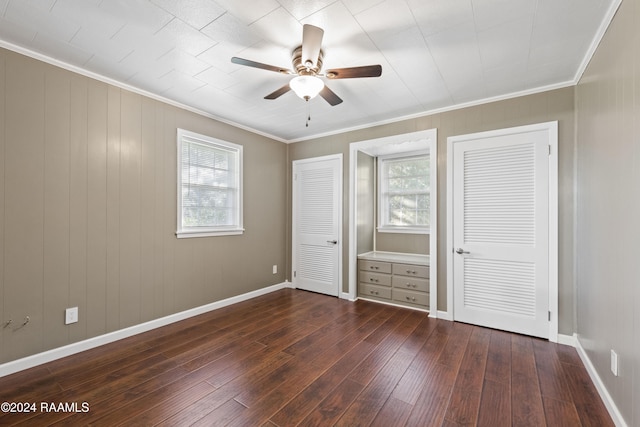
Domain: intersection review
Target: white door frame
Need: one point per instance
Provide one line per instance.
(552, 131)
(396, 144)
(339, 245)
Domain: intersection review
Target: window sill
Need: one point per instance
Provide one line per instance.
(209, 233)
(403, 230)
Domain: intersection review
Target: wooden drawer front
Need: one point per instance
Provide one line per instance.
(375, 278)
(377, 266)
(374, 291)
(411, 283)
(401, 295)
(411, 270)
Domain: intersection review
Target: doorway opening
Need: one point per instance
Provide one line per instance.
(362, 229)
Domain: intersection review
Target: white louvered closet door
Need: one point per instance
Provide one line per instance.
(500, 232)
(317, 209)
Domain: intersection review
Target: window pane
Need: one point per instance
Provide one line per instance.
(210, 196)
(404, 197)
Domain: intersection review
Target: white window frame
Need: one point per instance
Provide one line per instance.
(383, 226)
(204, 231)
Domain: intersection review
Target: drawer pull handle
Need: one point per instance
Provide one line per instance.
(411, 272)
(411, 285)
(374, 267)
(411, 298)
(372, 279)
(374, 292)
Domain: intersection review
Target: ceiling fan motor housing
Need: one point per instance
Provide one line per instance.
(306, 69)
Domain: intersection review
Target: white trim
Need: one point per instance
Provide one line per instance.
(541, 89)
(99, 77)
(393, 304)
(133, 89)
(569, 340)
(68, 350)
(614, 412)
(445, 315)
(597, 38)
(408, 140)
(552, 130)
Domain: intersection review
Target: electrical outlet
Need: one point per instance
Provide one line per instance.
(614, 363)
(275, 269)
(70, 315)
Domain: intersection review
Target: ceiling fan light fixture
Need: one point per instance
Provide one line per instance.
(306, 87)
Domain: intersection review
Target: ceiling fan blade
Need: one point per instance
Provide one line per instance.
(311, 44)
(254, 64)
(355, 72)
(330, 96)
(279, 92)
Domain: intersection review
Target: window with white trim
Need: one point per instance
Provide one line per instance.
(404, 193)
(209, 186)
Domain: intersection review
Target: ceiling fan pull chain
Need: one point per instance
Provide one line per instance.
(308, 113)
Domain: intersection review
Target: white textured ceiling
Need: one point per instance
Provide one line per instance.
(435, 54)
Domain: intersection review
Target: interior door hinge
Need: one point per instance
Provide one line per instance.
(549, 317)
(294, 273)
(549, 149)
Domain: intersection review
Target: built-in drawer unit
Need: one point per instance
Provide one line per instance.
(375, 278)
(410, 283)
(375, 291)
(411, 270)
(412, 297)
(376, 266)
(396, 281)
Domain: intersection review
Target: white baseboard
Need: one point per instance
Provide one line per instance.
(614, 412)
(569, 340)
(67, 350)
(444, 315)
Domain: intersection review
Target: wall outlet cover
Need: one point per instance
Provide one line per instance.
(614, 363)
(71, 315)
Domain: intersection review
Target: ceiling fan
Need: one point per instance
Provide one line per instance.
(307, 63)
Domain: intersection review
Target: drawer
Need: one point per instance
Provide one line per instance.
(377, 266)
(404, 296)
(366, 289)
(411, 270)
(374, 278)
(411, 283)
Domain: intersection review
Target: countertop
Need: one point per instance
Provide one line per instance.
(416, 259)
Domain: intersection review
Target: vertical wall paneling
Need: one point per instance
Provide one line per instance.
(159, 218)
(148, 214)
(78, 219)
(56, 208)
(95, 311)
(24, 206)
(608, 205)
(3, 318)
(88, 210)
(130, 148)
(113, 209)
(169, 208)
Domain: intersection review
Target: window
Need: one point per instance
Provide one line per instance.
(209, 186)
(403, 194)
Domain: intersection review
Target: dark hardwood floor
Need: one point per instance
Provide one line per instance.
(297, 358)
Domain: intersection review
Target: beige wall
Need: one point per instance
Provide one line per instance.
(542, 107)
(608, 227)
(88, 210)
